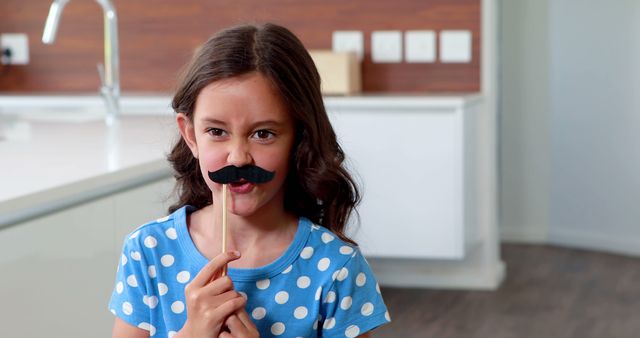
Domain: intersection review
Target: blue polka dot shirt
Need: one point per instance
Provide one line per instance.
(320, 286)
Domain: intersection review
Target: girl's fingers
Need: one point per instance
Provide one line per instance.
(236, 326)
(244, 318)
(226, 334)
(208, 272)
(230, 306)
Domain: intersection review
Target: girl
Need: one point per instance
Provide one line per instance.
(251, 99)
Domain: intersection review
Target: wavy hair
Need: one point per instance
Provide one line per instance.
(318, 186)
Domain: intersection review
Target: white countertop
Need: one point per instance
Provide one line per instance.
(56, 164)
(65, 154)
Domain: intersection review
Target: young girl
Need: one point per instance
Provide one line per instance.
(251, 99)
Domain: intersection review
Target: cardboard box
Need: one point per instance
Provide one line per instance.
(340, 72)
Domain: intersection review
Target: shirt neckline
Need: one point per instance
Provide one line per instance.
(242, 274)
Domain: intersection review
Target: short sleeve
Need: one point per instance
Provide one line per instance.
(353, 304)
(129, 297)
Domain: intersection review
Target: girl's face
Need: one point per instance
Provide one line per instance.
(241, 121)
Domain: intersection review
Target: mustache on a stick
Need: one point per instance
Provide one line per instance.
(251, 173)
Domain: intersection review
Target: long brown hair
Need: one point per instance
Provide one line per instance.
(318, 186)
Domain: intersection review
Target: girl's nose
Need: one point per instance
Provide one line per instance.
(239, 154)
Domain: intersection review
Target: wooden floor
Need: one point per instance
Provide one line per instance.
(549, 292)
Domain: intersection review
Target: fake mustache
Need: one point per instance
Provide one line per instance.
(251, 173)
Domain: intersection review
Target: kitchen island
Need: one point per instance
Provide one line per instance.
(72, 188)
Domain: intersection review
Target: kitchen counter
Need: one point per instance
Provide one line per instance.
(57, 151)
(55, 164)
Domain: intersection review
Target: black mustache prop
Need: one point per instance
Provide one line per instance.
(251, 173)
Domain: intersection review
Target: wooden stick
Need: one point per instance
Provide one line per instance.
(224, 225)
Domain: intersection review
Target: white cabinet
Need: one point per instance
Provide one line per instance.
(412, 164)
(58, 270)
(426, 166)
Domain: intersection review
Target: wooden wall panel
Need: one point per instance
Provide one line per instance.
(158, 37)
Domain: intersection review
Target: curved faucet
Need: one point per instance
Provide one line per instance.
(109, 72)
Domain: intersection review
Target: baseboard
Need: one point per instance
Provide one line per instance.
(529, 235)
(629, 245)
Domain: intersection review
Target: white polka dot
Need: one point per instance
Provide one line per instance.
(335, 275)
(361, 279)
(150, 242)
(329, 323)
(304, 282)
(342, 275)
(124, 260)
(263, 284)
(135, 255)
(177, 307)
(150, 301)
(244, 295)
(323, 264)
(367, 309)
(163, 219)
(345, 304)
(277, 328)
(171, 233)
(134, 235)
(170, 334)
(167, 260)
(148, 327)
(113, 311)
(183, 276)
(346, 250)
(119, 287)
(152, 271)
(306, 253)
(387, 317)
(315, 227)
(127, 308)
(282, 297)
(352, 331)
(287, 270)
(378, 287)
(327, 237)
(300, 312)
(132, 281)
(315, 324)
(318, 292)
(162, 289)
(258, 313)
(331, 297)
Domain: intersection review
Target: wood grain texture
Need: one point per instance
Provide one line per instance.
(158, 37)
(549, 292)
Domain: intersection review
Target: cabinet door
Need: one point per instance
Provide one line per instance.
(409, 165)
(57, 274)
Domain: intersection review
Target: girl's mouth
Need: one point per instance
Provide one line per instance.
(241, 187)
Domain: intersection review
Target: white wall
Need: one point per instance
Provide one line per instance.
(570, 123)
(595, 86)
(524, 119)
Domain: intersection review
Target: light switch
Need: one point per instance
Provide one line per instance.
(455, 46)
(386, 46)
(348, 41)
(420, 46)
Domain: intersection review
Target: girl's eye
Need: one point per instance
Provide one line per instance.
(264, 134)
(216, 132)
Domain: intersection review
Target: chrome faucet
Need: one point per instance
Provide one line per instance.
(109, 73)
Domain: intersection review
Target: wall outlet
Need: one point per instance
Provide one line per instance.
(455, 46)
(14, 48)
(348, 41)
(386, 46)
(420, 46)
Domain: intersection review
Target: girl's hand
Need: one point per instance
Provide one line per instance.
(210, 300)
(240, 326)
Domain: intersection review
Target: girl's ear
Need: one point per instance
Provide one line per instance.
(188, 132)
